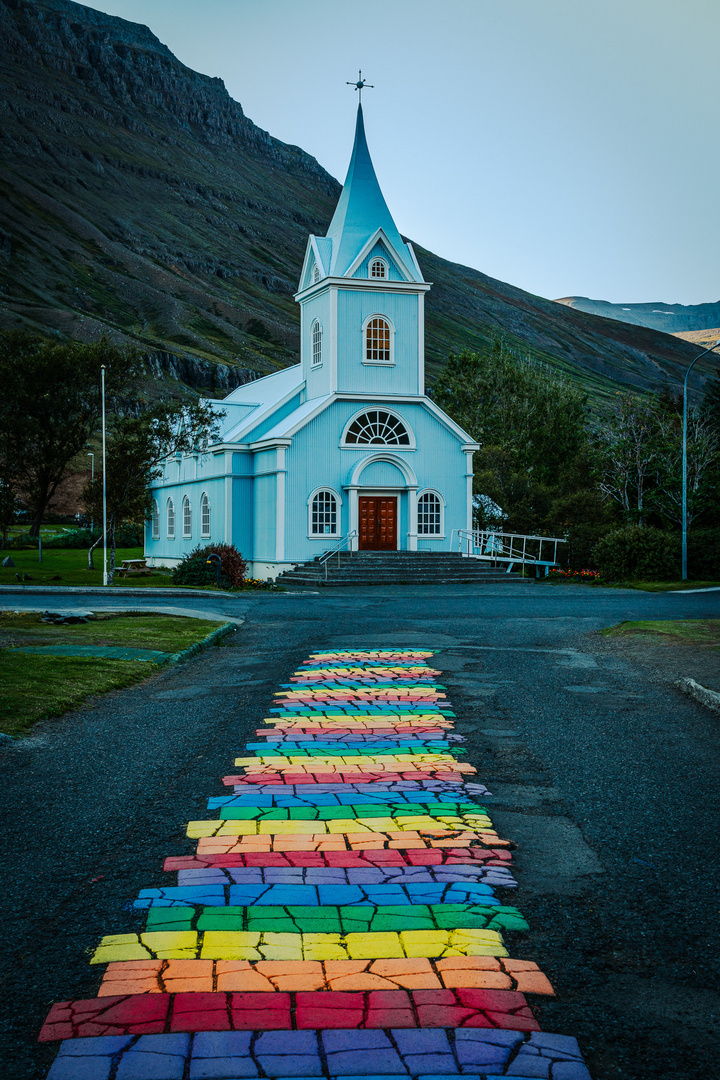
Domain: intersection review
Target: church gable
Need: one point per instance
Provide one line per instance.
(317, 261)
(379, 264)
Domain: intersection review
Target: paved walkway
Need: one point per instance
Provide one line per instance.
(345, 912)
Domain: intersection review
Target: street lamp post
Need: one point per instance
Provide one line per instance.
(105, 575)
(684, 459)
(92, 481)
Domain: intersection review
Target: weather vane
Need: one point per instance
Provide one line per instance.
(360, 85)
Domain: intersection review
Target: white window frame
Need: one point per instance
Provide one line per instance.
(205, 502)
(316, 328)
(440, 535)
(186, 518)
(399, 447)
(170, 519)
(383, 263)
(155, 520)
(338, 507)
(365, 325)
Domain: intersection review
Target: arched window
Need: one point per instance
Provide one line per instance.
(170, 519)
(377, 341)
(378, 268)
(204, 515)
(377, 428)
(155, 518)
(316, 335)
(429, 514)
(187, 518)
(315, 274)
(323, 514)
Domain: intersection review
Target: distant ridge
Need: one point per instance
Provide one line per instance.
(136, 198)
(672, 318)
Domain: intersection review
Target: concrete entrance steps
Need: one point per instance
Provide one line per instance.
(397, 568)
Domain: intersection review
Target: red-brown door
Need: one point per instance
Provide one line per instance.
(378, 523)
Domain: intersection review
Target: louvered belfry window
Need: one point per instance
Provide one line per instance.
(377, 427)
(377, 341)
(324, 514)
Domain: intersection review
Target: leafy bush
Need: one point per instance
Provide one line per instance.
(638, 553)
(704, 554)
(126, 536)
(194, 569)
(18, 542)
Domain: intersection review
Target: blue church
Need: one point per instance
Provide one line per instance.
(343, 444)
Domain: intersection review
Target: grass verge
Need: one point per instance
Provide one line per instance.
(703, 632)
(37, 687)
(68, 566)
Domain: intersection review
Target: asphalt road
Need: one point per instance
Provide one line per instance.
(602, 772)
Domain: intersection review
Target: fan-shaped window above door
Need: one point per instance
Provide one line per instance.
(377, 427)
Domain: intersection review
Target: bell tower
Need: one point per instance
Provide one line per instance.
(362, 295)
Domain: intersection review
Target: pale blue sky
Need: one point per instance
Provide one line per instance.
(565, 146)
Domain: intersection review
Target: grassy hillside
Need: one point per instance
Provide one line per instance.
(137, 198)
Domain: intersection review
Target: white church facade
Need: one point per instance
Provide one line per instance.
(344, 445)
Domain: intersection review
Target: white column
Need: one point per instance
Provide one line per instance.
(469, 486)
(412, 535)
(280, 505)
(353, 516)
(228, 498)
(421, 343)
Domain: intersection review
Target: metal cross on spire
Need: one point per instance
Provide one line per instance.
(360, 85)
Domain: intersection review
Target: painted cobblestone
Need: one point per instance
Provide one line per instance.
(469, 1053)
(419, 973)
(340, 916)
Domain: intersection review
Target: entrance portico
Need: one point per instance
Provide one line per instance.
(382, 504)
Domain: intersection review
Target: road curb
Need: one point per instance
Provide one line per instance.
(199, 646)
(108, 590)
(709, 698)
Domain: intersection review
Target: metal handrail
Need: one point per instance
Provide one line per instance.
(324, 559)
(498, 546)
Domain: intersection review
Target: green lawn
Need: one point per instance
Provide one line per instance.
(68, 566)
(669, 586)
(36, 687)
(703, 632)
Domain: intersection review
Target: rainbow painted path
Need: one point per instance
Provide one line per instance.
(344, 914)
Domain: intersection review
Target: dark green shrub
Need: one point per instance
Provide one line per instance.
(638, 553)
(194, 569)
(18, 542)
(704, 554)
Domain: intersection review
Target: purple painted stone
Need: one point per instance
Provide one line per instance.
(163, 1044)
(530, 1066)
(220, 1068)
(421, 1041)
(287, 1042)
(352, 1039)
(76, 1068)
(295, 1065)
(102, 1046)
(151, 1066)
(365, 1063)
(565, 1044)
(211, 1044)
(441, 1063)
(496, 1037)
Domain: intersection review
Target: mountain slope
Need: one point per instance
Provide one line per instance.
(671, 318)
(138, 198)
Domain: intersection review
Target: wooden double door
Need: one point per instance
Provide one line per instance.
(378, 523)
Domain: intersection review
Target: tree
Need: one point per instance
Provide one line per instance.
(50, 406)
(703, 453)
(628, 442)
(531, 424)
(136, 447)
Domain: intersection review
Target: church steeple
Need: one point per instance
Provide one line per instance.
(361, 211)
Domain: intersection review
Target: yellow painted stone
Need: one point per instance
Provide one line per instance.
(374, 946)
(117, 947)
(171, 944)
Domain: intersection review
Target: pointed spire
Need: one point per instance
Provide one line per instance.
(361, 210)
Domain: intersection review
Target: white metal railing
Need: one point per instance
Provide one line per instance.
(511, 548)
(325, 559)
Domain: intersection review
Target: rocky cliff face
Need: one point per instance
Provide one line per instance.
(137, 199)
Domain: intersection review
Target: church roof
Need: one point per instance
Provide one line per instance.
(361, 211)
